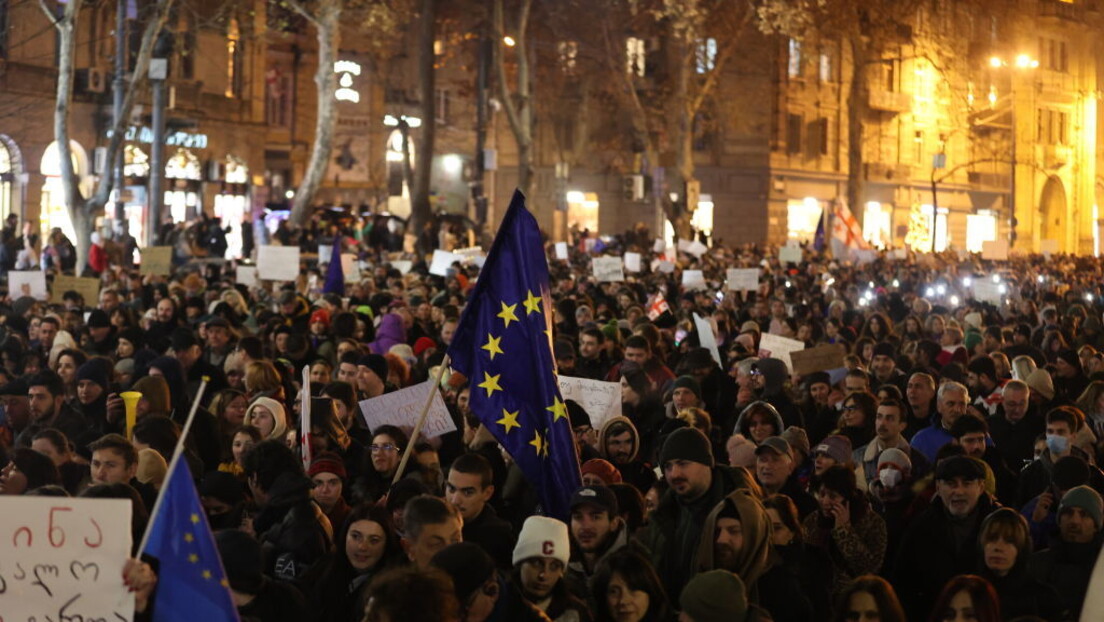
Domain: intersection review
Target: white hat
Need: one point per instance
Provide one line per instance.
(542, 537)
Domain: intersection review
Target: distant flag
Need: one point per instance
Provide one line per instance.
(819, 240)
(658, 307)
(191, 584)
(846, 230)
(335, 275)
(305, 419)
(504, 346)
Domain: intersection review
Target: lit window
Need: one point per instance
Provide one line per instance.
(569, 52)
(634, 56)
(233, 60)
(135, 162)
(980, 228)
(877, 223)
(707, 55)
(803, 218)
(825, 68)
(702, 220)
(6, 181)
(793, 68)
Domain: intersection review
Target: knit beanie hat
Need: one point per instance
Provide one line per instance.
(885, 349)
(577, 414)
(602, 469)
(818, 377)
(634, 374)
(797, 438)
(687, 382)
(687, 444)
(423, 344)
(321, 315)
(376, 363)
(715, 596)
(1069, 355)
(93, 371)
(895, 457)
(1069, 472)
(972, 339)
(328, 462)
(542, 536)
(468, 565)
(1087, 499)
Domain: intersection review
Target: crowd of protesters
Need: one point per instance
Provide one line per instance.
(945, 470)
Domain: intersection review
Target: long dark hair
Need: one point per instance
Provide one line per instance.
(982, 595)
(379, 516)
(638, 573)
(889, 608)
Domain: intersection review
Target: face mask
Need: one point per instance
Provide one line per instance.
(1057, 444)
(889, 477)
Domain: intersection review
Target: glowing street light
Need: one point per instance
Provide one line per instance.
(509, 41)
(1023, 61)
(995, 62)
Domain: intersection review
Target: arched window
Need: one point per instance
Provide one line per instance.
(7, 177)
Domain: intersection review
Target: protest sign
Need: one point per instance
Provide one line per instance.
(87, 287)
(773, 346)
(996, 250)
(632, 262)
(402, 409)
(1048, 247)
(62, 559)
(442, 261)
(402, 265)
(561, 250)
(30, 283)
(350, 267)
(325, 251)
(601, 400)
(743, 279)
(692, 247)
(820, 358)
(706, 337)
(659, 246)
(666, 267)
(789, 254)
(608, 269)
(278, 263)
(985, 290)
(246, 275)
(693, 279)
(156, 260)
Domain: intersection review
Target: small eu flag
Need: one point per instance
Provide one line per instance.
(191, 584)
(335, 273)
(504, 346)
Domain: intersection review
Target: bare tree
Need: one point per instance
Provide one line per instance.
(82, 210)
(518, 104)
(427, 76)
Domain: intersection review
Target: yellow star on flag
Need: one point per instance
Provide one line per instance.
(507, 313)
(493, 346)
(490, 383)
(558, 409)
(189, 537)
(532, 303)
(206, 574)
(193, 558)
(195, 519)
(539, 444)
(509, 420)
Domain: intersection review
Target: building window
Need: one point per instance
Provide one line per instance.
(980, 228)
(441, 105)
(569, 53)
(793, 66)
(4, 28)
(707, 55)
(186, 49)
(6, 179)
(802, 218)
(793, 133)
(634, 56)
(277, 107)
(1053, 127)
(877, 221)
(234, 60)
(825, 68)
(816, 141)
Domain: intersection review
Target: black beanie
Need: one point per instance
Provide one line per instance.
(93, 371)
(376, 363)
(634, 374)
(687, 444)
(1070, 472)
(241, 558)
(687, 382)
(577, 414)
(885, 349)
(818, 377)
(468, 565)
(1069, 355)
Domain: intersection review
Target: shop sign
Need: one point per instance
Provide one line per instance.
(144, 134)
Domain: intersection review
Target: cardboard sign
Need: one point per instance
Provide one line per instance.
(246, 275)
(632, 262)
(743, 279)
(29, 283)
(820, 358)
(62, 559)
(608, 269)
(789, 254)
(442, 261)
(350, 267)
(995, 250)
(561, 250)
(693, 279)
(773, 346)
(278, 263)
(156, 260)
(87, 287)
(402, 409)
(707, 337)
(601, 400)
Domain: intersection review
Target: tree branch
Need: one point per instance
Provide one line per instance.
(500, 69)
(298, 8)
(54, 20)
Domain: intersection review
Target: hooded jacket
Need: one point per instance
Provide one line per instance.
(636, 471)
(293, 531)
(389, 333)
(278, 414)
(742, 421)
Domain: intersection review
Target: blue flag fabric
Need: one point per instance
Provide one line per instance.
(503, 345)
(335, 274)
(191, 584)
(819, 240)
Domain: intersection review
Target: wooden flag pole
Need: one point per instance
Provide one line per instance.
(421, 420)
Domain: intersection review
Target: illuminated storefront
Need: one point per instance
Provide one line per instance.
(232, 203)
(877, 224)
(582, 211)
(53, 212)
(980, 228)
(802, 218)
(185, 175)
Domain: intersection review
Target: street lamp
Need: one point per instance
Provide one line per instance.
(1021, 62)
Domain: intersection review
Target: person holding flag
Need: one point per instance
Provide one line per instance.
(503, 345)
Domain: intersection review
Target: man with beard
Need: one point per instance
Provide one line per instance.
(820, 417)
(596, 531)
(1069, 562)
(889, 423)
(593, 362)
(884, 367)
(619, 443)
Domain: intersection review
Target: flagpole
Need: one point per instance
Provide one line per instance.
(178, 451)
(421, 420)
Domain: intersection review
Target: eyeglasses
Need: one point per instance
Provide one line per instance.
(384, 447)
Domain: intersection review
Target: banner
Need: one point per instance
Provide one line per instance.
(402, 409)
(601, 400)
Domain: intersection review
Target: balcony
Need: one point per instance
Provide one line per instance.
(887, 101)
(879, 172)
(1072, 11)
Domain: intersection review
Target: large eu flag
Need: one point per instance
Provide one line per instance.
(504, 346)
(191, 584)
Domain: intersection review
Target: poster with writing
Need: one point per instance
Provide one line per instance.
(789, 254)
(743, 279)
(402, 408)
(350, 267)
(561, 250)
(707, 337)
(402, 265)
(996, 250)
(246, 275)
(442, 261)
(62, 559)
(985, 290)
(87, 287)
(693, 279)
(659, 246)
(820, 358)
(773, 346)
(632, 262)
(29, 283)
(608, 269)
(601, 400)
(278, 263)
(156, 260)
(325, 251)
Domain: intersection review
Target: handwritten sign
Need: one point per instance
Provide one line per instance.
(561, 250)
(156, 260)
(985, 290)
(27, 283)
(820, 358)
(608, 269)
(773, 346)
(659, 246)
(442, 261)
(743, 279)
(632, 262)
(278, 263)
(87, 287)
(246, 275)
(62, 559)
(996, 250)
(693, 279)
(707, 337)
(601, 400)
(402, 409)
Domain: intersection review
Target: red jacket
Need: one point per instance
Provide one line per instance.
(97, 258)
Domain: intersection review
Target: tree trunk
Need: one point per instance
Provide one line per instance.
(518, 106)
(327, 22)
(420, 209)
(858, 99)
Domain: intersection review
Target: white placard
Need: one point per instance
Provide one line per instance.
(632, 262)
(985, 290)
(350, 267)
(325, 251)
(697, 249)
(601, 400)
(278, 263)
(30, 283)
(773, 346)
(864, 255)
(608, 269)
(667, 267)
(659, 246)
(442, 260)
(62, 559)
(402, 265)
(996, 250)
(743, 279)
(402, 409)
(247, 275)
(561, 250)
(789, 254)
(589, 244)
(693, 279)
(707, 337)
(1048, 247)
